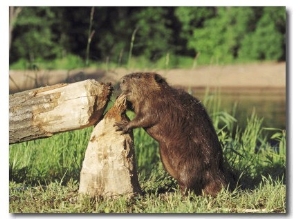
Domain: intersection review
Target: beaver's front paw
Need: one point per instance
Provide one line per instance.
(122, 126)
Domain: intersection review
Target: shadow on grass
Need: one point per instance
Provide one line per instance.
(30, 178)
(274, 172)
(158, 182)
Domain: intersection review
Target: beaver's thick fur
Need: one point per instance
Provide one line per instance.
(189, 146)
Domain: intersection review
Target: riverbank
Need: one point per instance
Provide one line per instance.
(255, 75)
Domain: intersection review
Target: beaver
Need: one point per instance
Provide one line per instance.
(189, 147)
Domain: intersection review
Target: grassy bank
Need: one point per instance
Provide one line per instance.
(44, 174)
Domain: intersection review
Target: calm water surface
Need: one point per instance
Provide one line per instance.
(269, 104)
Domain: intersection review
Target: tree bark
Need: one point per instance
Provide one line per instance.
(45, 111)
(109, 168)
(13, 14)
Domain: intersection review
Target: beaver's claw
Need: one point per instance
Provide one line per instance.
(121, 126)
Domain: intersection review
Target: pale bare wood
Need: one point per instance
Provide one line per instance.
(45, 111)
(109, 168)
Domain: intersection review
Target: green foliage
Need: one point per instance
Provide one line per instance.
(34, 34)
(266, 42)
(211, 34)
(153, 35)
(241, 33)
(191, 17)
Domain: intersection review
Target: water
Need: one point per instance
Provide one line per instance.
(268, 103)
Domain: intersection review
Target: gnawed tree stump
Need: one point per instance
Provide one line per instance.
(45, 111)
(109, 167)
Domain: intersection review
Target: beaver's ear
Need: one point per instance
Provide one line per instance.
(158, 78)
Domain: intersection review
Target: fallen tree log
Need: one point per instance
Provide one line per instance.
(44, 111)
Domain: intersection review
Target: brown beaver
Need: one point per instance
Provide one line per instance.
(189, 146)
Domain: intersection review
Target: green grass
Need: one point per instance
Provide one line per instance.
(55, 198)
(69, 62)
(44, 173)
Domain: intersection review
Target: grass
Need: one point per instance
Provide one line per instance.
(44, 173)
(55, 198)
(70, 61)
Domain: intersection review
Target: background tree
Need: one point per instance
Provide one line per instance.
(13, 14)
(267, 40)
(34, 35)
(220, 37)
(216, 34)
